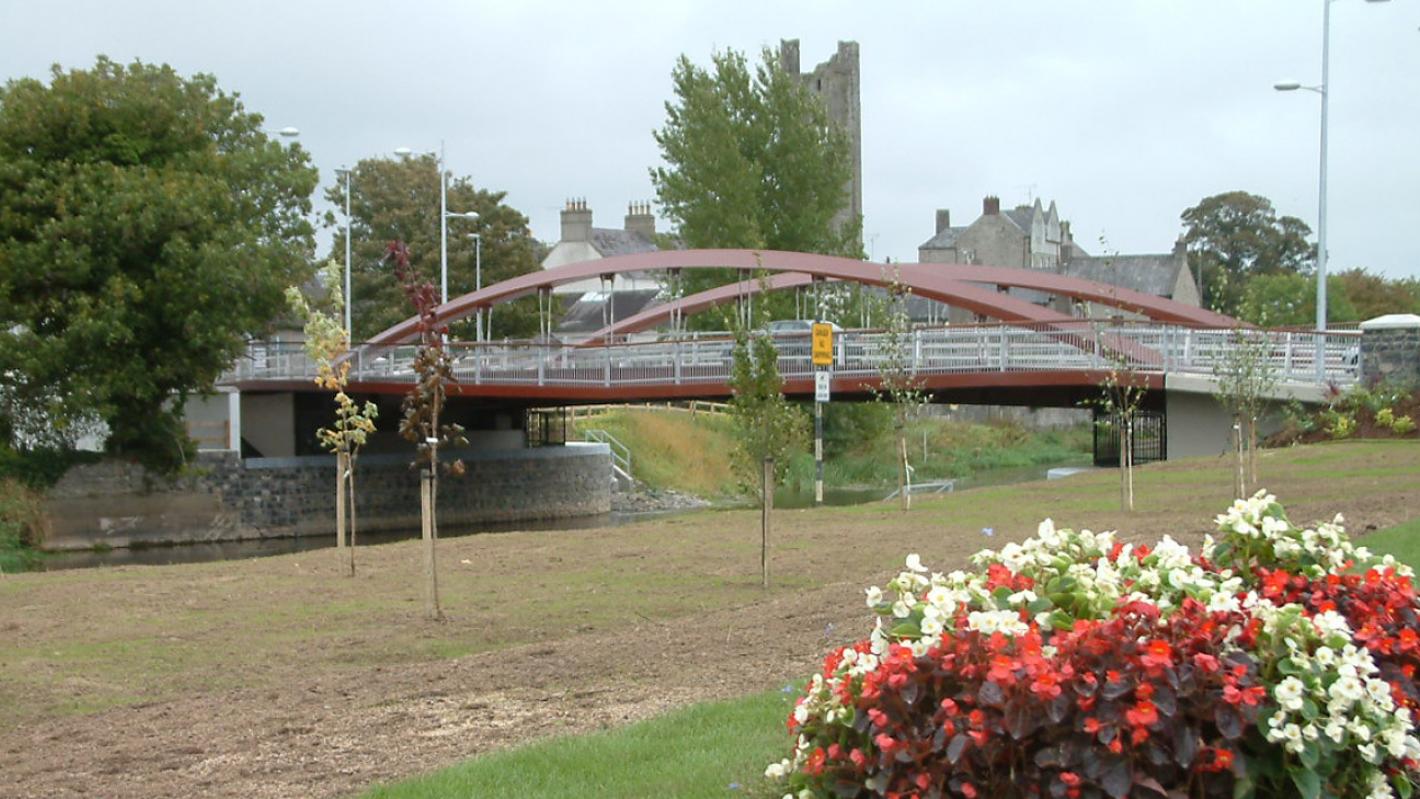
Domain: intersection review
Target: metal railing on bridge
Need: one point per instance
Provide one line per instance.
(1304, 357)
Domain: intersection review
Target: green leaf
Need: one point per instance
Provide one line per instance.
(1402, 785)
(906, 629)
(1307, 782)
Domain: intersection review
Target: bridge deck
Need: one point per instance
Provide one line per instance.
(943, 358)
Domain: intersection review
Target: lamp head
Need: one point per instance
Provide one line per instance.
(403, 152)
(289, 132)
(1287, 86)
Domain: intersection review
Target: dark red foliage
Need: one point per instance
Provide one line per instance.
(1122, 707)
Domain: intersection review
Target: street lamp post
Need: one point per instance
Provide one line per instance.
(1324, 90)
(444, 216)
(344, 173)
(478, 281)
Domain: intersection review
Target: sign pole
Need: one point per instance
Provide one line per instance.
(822, 339)
(818, 453)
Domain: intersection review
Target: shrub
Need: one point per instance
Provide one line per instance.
(1339, 424)
(1075, 665)
(1400, 425)
(21, 516)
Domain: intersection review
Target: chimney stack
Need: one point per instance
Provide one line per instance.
(944, 219)
(991, 205)
(576, 221)
(640, 220)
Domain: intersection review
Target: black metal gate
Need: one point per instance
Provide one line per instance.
(546, 427)
(1150, 437)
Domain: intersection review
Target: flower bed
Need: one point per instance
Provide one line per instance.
(1277, 661)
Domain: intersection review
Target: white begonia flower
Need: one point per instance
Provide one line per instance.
(776, 771)
(875, 596)
(1368, 751)
(914, 563)
(1223, 602)
(931, 627)
(1359, 729)
(1022, 597)
(1379, 691)
(1394, 741)
(1335, 730)
(1288, 694)
(901, 609)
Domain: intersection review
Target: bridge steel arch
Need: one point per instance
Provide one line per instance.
(951, 284)
(658, 314)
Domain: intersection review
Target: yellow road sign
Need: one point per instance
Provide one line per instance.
(823, 344)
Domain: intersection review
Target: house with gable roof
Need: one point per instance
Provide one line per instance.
(1034, 237)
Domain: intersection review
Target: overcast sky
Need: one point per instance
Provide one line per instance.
(1125, 112)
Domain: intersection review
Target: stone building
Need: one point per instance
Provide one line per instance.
(585, 302)
(835, 81)
(1034, 237)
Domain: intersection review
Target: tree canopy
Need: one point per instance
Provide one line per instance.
(147, 227)
(1235, 236)
(398, 200)
(752, 161)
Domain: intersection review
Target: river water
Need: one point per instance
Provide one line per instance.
(236, 550)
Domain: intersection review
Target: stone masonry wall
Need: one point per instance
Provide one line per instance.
(1391, 356)
(224, 498)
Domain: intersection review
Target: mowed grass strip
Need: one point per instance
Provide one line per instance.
(1402, 541)
(716, 749)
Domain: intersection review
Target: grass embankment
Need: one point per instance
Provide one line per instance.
(953, 450)
(246, 675)
(694, 453)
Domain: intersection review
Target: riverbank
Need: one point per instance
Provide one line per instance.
(677, 451)
(280, 677)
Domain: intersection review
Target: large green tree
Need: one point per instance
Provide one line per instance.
(1289, 300)
(1235, 236)
(147, 227)
(398, 200)
(1373, 295)
(752, 161)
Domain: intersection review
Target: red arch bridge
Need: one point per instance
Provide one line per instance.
(1027, 355)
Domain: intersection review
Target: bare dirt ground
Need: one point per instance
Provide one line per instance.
(279, 677)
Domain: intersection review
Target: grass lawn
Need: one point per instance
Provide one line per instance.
(1402, 541)
(696, 752)
(701, 751)
(282, 676)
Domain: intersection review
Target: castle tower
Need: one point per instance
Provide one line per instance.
(835, 81)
